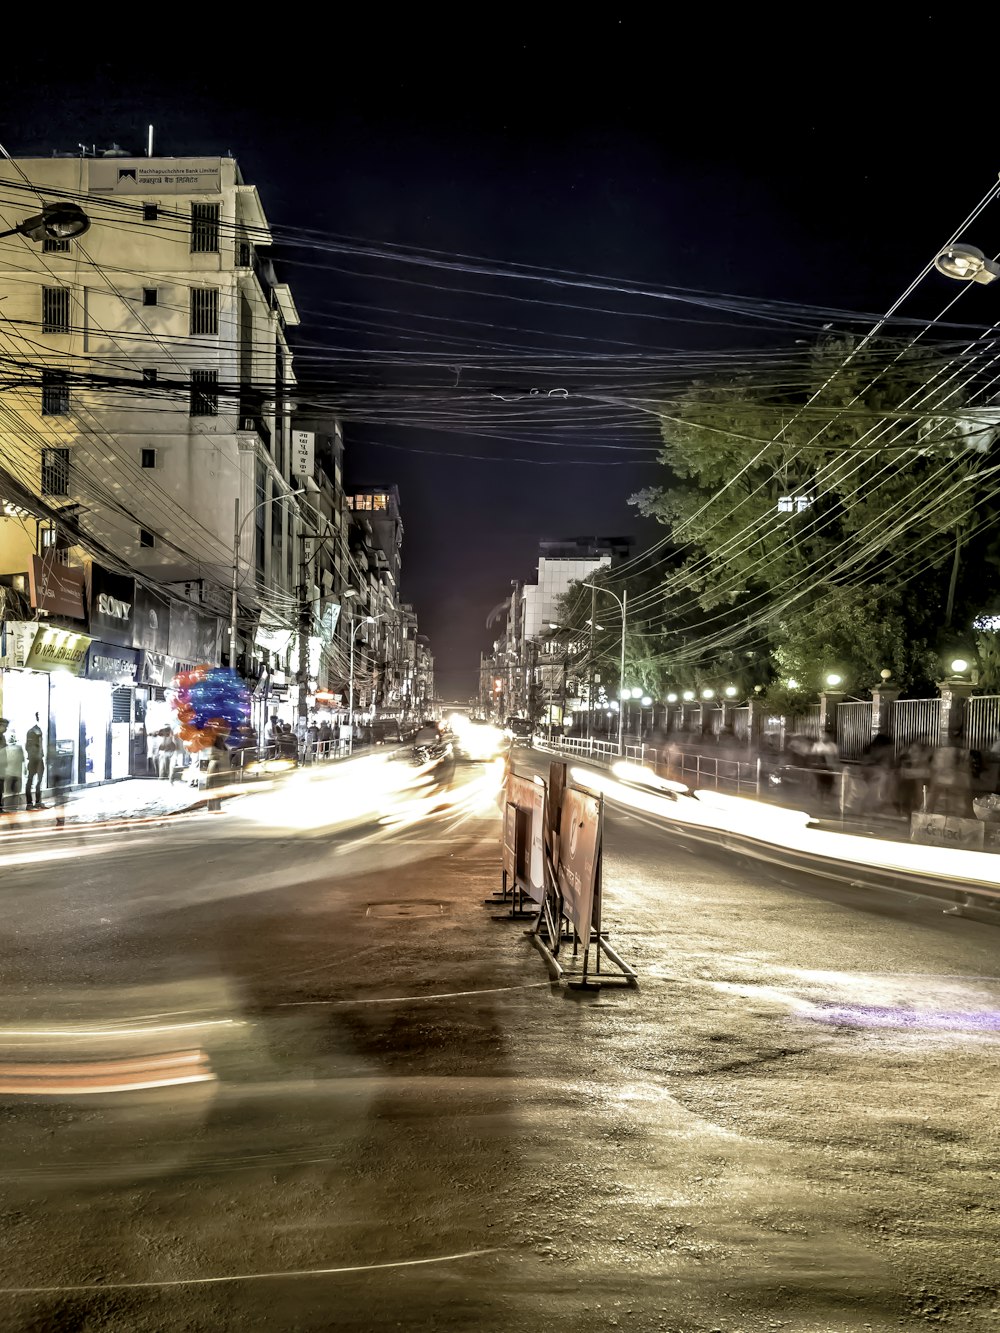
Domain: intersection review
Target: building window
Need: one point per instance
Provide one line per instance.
(55, 393)
(55, 310)
(55, 472)
(204, 310)
(244, 252)
(149, 296)
(49, 536)
(378, 501)
(150, 212)
(149, 458)
(146, 538)
(53, 245)
(149, 375)
(204, 393)
(204, 229)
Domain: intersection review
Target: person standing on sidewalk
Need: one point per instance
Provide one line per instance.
(4, 724)
(35, 754)
(11, 769)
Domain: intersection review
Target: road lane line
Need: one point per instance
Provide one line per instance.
(243, 1277)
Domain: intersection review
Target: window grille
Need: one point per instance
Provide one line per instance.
(55, 393)
(204, 310)
(149, 296)
(55, 472)
(149, 458)
(55, 310)
(121, 704)
(146, 538)
(204, 229)
(204, 393)
(53, 245)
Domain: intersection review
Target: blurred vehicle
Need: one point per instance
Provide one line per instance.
(477, 741)
(518, 730)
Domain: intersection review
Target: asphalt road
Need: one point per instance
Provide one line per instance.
(304, 1081)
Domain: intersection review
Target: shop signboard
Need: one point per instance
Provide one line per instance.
(155, 668)
(16, 640)
(303, 453)
(152, 621)
(56, 588)
(112, 607)
(529, 797)
(194, 635)
(106, 661)
(57, 650)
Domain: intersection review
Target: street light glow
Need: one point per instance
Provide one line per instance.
(688, 695)
(731, 691)
(833, 679)
(959, 665)
(646, 701)
(708, 694)
(671, 698)
(793, 684)
(636, 691)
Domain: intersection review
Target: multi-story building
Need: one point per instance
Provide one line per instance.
(148, 421)
(537, 668)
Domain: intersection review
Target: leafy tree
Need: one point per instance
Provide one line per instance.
(823, 521)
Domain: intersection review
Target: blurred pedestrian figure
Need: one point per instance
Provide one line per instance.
(11, 769)
(34, 753)
(325, 736)
(4, 724)
(288, 746)
(826, 759)
(879, 762)
(165, 755)
(913, 776)
(273, 731)
(312, 739)
(950, 790)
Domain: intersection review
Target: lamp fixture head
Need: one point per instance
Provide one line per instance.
(966, 263)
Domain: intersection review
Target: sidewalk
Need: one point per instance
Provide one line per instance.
(133, 798)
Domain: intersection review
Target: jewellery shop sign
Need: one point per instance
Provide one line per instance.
(42, 648)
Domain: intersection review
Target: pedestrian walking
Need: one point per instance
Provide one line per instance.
(34, 751)
(825, 758)
(166, 755)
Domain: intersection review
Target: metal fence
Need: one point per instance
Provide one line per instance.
(982, 721)
(807, 723)
(854, 729)
(741, 723)
(709, 770)
(913, 720)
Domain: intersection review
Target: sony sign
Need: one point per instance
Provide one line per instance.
(112, 607)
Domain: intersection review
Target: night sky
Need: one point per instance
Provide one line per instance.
(819, 160)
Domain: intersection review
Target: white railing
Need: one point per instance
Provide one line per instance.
(915, 720)
(982, 721)
(854, 728)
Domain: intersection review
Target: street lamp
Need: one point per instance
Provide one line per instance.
(623, 604)
(364, 620)
(237, 534)
(966, 263)
(56, 222)
(833, 680)
(959, 666)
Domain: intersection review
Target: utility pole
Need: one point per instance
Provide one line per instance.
(236, 568)
(305, 624)
(590, 659)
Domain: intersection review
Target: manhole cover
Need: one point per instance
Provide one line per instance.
(410, 909)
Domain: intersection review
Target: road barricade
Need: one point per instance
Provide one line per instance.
(553, 838)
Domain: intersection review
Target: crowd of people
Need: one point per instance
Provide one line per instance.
(936, 779)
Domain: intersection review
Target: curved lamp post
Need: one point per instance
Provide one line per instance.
(56, 222)
(622, 603)
(237, 534)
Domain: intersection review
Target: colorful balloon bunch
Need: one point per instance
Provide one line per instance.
(211, 703)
